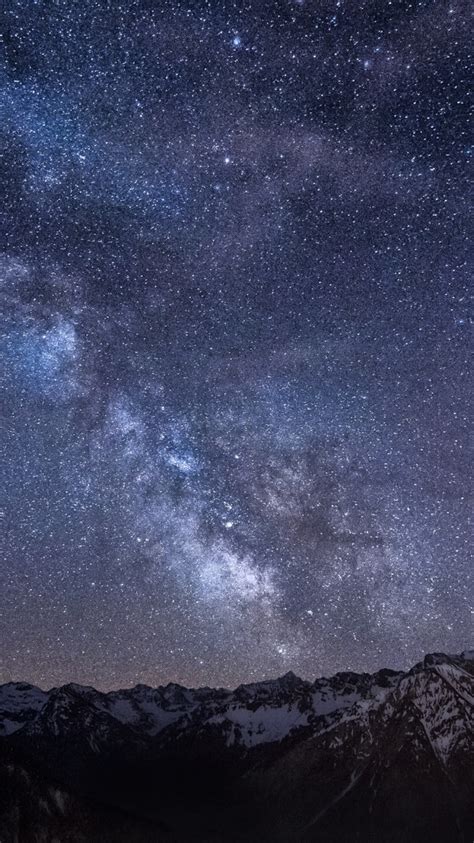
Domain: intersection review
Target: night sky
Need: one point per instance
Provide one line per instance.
(235, 282)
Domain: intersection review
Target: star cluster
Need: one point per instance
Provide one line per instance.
(235, 283)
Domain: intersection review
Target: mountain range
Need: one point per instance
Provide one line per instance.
(386, 757)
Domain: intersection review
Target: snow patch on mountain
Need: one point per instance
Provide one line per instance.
(263, 725)
(19, 704)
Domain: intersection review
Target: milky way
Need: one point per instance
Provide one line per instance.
(235, 287)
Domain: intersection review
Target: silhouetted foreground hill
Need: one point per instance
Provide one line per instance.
(382, 758)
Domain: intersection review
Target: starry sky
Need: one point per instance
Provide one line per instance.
(234, 281)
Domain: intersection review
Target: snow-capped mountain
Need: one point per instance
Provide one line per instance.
(19, 704)
(260, 712)
(378, 757)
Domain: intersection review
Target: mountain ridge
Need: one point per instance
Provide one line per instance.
(388, 756)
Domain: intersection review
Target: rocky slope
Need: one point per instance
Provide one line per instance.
(382, 757)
